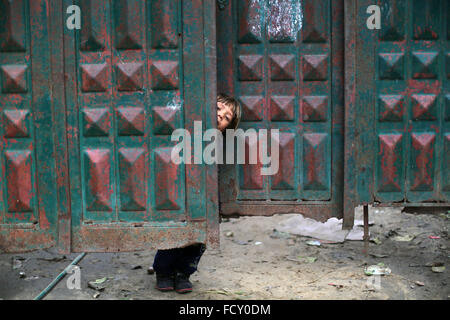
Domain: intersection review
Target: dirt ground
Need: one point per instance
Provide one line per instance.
(255, 262)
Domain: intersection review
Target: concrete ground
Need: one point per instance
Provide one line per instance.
(256, 262)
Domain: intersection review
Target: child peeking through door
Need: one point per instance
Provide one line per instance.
(173, 267)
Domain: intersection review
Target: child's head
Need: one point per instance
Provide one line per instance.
(228, 112)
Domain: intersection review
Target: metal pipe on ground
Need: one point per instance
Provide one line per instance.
(59, 277)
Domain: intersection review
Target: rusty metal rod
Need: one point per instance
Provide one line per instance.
(58, 278)
(366, 229)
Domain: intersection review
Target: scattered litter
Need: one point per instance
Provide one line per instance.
(291, 242)
(280, 235)
(328, 242)
(434, 237)
(445, 215)
(125, 292)
(299, 225)
(391, 233)
(17, 262)
(219, 291)
(31, 278)
(338, 286)
(376, 240)
(150, 270)
(378, 269)
(313, 243)
(229, 234)
(22, 275)
(136, 267)
(100, 281)
(257, 243)
(438, 267)
(419, 283)
(355, 235)
(240, 242)
(376, 255)
(97, 284)
(404, 238)
(311, 259)
(303, 259)
(96, 295)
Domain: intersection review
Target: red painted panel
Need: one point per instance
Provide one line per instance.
(129, 76)
(133, 195)
(12, 35)
(130, 121)
(94, 77)
(285, 178)
(249, 21)
(128, 23)
(315, 67)
(14, 78)
(315, 25)
(391, 163)
(165, 120)
(164, 14)
(19, 183)
(422, 166)
(16, 123)
(250, 174)
(96, 122)
(93, 34)
(282, 108)
(391, 107)
(164, 75)
(166, 177)
(252, 108)
(315, 164)
(98, 179)
(315, 108)
(250, 67)
(423, 106)
(282, 67)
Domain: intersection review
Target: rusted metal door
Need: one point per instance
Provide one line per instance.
(87, 118)
(28, 206)
(401, 110)
(137, 72)
(283, 60)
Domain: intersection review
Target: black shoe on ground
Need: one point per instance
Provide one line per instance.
(182, 283)
(165, 282)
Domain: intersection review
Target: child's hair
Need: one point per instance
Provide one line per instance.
(235, 105)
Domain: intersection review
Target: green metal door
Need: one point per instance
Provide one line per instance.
(28, 206)
(402, 104)
(137, 70)
(87, 117)
(283, 60)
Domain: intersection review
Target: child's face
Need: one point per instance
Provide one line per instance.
(224, 115)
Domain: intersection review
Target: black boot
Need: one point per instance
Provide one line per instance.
(165, 282)
(182, 283)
